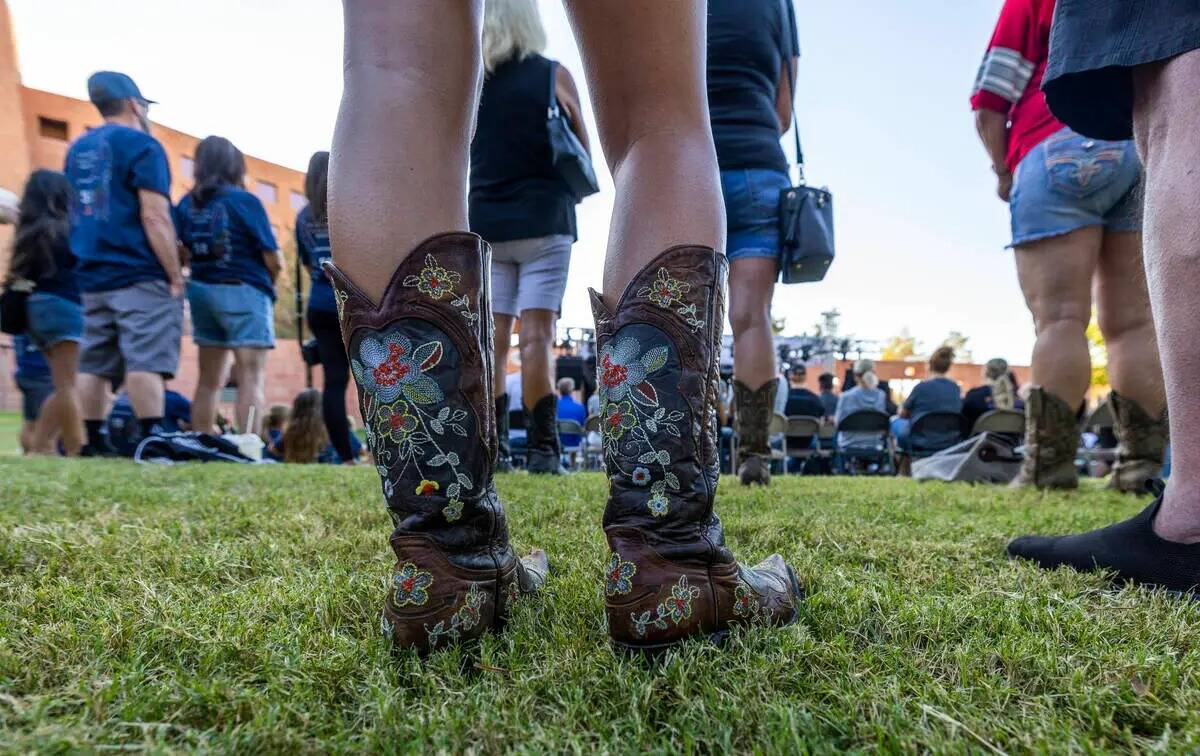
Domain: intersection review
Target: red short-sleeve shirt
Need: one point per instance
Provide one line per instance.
(1010, 77)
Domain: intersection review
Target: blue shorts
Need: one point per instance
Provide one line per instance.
(232, 316)
(1069, 182)
(53, 319)
(752, 211)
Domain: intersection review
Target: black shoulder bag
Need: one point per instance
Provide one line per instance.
(570, 160)
(14, 318)
(805, 212)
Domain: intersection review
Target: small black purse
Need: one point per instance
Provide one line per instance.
(14, 316)
(571, 161)
(805, 212)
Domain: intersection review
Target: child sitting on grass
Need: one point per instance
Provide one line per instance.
(273, 425)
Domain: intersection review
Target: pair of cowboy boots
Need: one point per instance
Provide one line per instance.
(1052, 441)
(422, 360)
(543, 453)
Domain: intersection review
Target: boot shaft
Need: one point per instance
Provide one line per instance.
(754, 409)
(657, 372)
(1051, 442)
(421, 359)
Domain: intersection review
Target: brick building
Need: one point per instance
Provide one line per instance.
(37, 127)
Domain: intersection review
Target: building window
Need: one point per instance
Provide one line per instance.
(297, 200)
(187, 168)
(266, 192)
(52, 128)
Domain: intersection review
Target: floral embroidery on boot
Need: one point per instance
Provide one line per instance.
(677, 607)
(632, 415)
(437, 282)
(619, 576)
(410, 586)
(463, 620)
(667, 292)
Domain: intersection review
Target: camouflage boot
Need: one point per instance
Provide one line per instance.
(1051, 442)
(1142, 445)
(670, 576)
(754, 410)
(422, 360)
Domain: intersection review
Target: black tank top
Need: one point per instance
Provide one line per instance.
(515, 191)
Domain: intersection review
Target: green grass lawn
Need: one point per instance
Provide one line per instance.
(226, 608)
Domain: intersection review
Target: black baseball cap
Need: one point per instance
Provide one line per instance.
(109, 86)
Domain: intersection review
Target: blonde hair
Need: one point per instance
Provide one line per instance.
(1004, 396)
(864, 370)
(512, 29)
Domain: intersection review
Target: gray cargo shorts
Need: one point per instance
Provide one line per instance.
(136, 329)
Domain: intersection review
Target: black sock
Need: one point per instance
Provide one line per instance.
(95, 438)
(1130, 549)
(149, 425)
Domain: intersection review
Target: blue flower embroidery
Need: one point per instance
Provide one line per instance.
(388, 367)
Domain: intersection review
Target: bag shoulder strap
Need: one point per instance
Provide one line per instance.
(552, 107)
(788, 54)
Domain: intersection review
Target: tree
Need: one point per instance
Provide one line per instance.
(900, 347)
(958, 342)
(1098, 351)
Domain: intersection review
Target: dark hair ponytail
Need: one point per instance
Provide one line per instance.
(43, 222)
(218, 164)
(316, 185)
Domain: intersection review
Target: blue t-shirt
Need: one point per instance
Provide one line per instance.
(227, 238)
(106, 167)
(312, 244)
(31, 363)
(934, 395)
(62, 281)
(569, 409)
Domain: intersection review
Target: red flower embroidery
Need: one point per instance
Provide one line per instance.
(394, 369)
(614, 375)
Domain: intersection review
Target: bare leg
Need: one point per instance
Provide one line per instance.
(503, 338)
(251, 367)
(1123, 310)
(1056, 278)
(94, 395)
(645, 68)
(146, 394)
(537, 342)
(62, 414)
(1167, 128)
(399, 162)
(751, 288)
(214, 366)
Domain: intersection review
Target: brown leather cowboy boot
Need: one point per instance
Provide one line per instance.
(669, 576)
(422, 360)
(1142, 445)
(754, 410)
(1051, 442)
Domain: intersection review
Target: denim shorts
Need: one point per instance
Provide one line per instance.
(530, 274)
(136, 329)
(53, 319)
(1069, 182)
(233, 316)
(752, 211)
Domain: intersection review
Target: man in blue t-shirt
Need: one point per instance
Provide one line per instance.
(569, 409)
(129, 269)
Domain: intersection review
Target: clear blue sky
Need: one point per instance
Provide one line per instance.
(882, 99)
